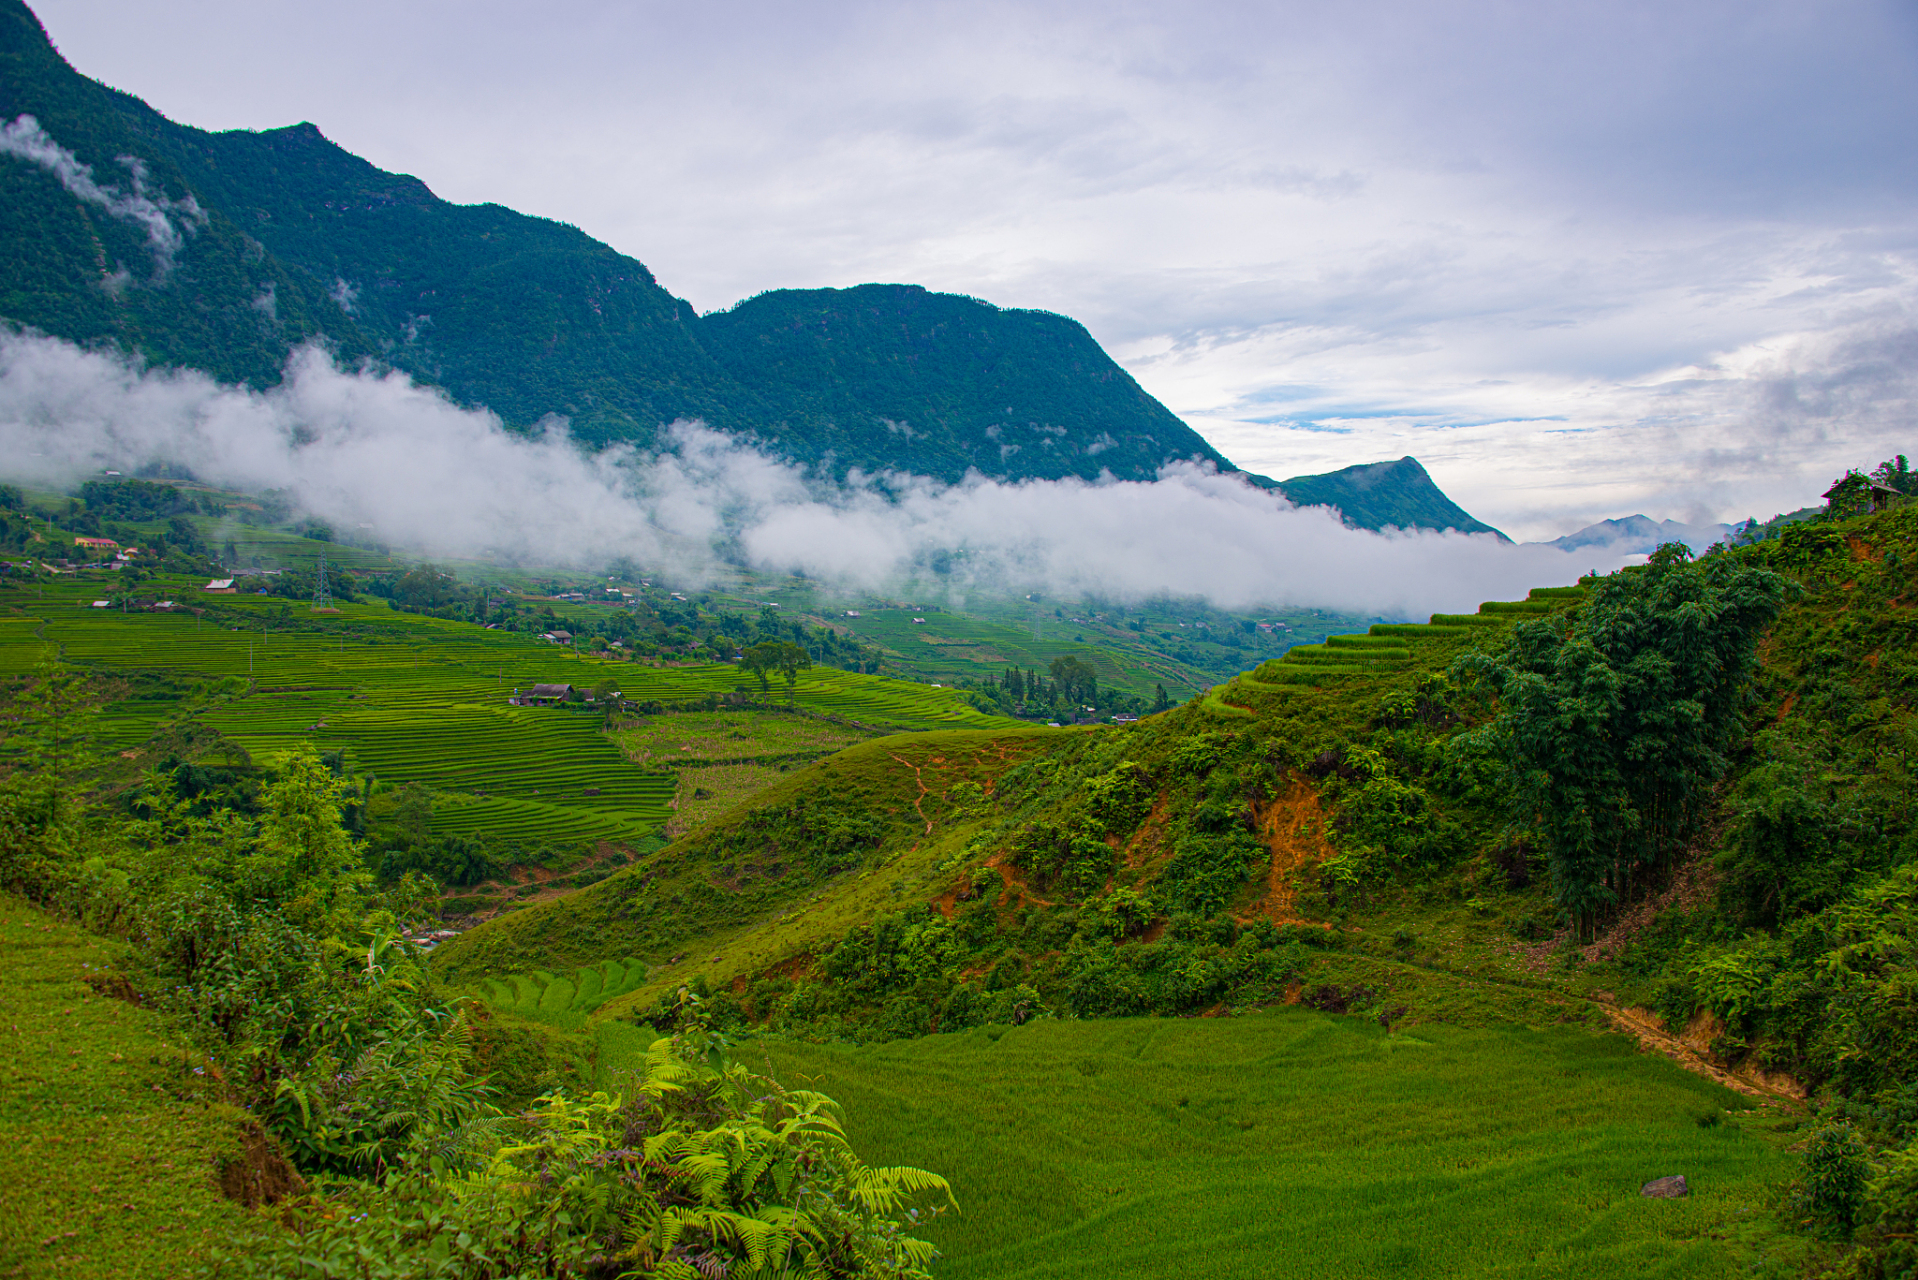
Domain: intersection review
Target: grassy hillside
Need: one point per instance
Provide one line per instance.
(1022, 843)
(111, 1155)
(868, 830)
(1196, 860)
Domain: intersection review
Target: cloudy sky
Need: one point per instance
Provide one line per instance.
(1582, 260)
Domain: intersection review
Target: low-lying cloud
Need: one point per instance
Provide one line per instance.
(365, 448)
(167, 222)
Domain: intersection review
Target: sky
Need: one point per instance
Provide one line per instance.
(1581, 260)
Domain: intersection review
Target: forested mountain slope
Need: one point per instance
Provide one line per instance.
(224, 251)
(1374, 495)
(894, 376)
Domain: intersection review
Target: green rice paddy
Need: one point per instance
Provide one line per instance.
(1386, 647)
(1293, 1143)
(413, 699)
(565, 1001)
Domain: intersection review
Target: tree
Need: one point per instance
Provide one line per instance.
(1076, 680)
(776, 655)
(1614, 720)
(1159, 701)
(1896, 472)
(413, 813)
(426, 586)
(181, 533)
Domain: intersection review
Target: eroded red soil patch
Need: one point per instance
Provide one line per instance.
(1292, 826)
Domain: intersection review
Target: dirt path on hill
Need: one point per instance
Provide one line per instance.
(1645, 1026)
(1689, 1049)
(918, 805)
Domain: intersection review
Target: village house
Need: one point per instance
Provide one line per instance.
(542, 695)
(1878, 497)
(220, 587)
(97, 544)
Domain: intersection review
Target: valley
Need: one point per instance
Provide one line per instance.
(967, 928)
(505, 773)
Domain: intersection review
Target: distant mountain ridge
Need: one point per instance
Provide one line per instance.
(225, 251)
(1640, 534)
(281, 237)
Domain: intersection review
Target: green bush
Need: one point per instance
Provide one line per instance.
(1835, 1174)
(587, 1186)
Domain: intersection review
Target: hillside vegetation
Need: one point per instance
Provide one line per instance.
(1376, 495)
(1606, 805)
(1427, 872)
(105, 1114)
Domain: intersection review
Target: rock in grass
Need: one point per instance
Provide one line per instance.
(1666, 1188)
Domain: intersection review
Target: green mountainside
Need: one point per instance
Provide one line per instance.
(224, 251)
(935, 384)
(285, 237)
(1375, 495)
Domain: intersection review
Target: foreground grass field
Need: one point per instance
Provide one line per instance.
(108, 1165)
(1294, 1143)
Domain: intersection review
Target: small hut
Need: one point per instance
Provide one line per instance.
(1877, 497)
(543, 695)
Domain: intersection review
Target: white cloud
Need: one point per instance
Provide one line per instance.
(362, 449)
(167, 222)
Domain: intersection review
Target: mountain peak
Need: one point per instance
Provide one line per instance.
(1378, 495)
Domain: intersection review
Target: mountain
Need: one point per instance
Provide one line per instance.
(225, 251)
(1642, 534)
(1375, 495)
(934, 383)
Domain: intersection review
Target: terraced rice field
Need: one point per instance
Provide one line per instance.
(412, 699)
(949, 645)
(722, 757)
(1387, 646)
(564, 1001)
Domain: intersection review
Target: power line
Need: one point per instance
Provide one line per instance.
(322, 598)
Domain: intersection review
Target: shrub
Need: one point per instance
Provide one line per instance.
(701, 1168)
(1835, 1172)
